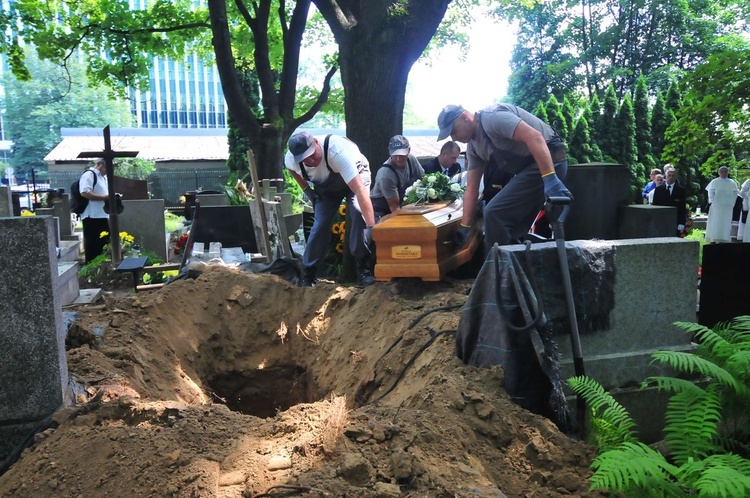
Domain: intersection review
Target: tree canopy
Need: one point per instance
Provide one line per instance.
(35, 110)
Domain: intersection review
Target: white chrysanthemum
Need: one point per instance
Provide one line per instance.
(455, 187)
(430, 179)
(408, 190)
(431, 192)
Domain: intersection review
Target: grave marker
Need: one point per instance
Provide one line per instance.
(108, 154)
(34, 383)
(6, 202)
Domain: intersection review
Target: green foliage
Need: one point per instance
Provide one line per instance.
(172, 222)
(298, 197)
(707, 426)
(133, 167)
(35, 109)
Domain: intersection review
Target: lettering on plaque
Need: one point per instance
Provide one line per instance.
(406, 252)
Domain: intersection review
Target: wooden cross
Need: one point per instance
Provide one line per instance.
(108, 154)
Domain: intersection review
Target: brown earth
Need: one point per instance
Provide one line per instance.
(166, 374)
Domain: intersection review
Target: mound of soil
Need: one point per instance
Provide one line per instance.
(242, 385)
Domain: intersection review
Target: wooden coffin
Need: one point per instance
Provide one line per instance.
(418, 242)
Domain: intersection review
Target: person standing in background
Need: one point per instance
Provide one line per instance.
(722, 195)
(447, 161)
(95, 220)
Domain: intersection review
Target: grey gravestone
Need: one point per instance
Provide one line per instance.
(278, 230)
(61, 210)
(131, 189)
(599, 191)
(627, 297)
(34, 383)
(56, 222)
(6, 202)
(144, 219)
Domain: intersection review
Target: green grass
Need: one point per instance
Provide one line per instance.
(699, 235)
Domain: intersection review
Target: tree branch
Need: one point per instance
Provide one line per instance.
(322, 99)
(292, 42)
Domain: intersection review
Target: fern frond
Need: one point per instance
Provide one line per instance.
(611, 421)
(714, 342)
(741, 324)
(723, 475)
(670, 384)
(634, 466)
(690, 363)
(739, 364)
(692, 424)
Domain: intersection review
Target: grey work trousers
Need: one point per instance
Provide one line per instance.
(510, 214)
(320, 234)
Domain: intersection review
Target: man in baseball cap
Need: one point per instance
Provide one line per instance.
(518, 143)
(398, 173)
(330, 169)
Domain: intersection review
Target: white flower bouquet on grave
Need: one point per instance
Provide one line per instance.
(433, 187)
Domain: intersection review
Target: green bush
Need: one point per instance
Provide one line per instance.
(707, 426)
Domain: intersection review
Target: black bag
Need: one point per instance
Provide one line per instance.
(78, 202)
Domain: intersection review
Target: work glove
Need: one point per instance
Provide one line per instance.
(368, 237)
(461, 237)
(312, 195)
(553, 187)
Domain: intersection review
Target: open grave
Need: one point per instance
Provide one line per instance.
(234, 383)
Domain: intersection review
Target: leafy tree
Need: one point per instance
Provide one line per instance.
(116, 42)
(133, 167)
(35, 110)
(378, 44)
(238, 143)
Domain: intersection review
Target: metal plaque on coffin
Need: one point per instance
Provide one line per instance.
(418, 242)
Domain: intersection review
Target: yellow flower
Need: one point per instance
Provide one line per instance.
(26, 212)
(182, 199)
(104, 235)
(336, 228)
(342, 210)
(342, 236)
(340, 248)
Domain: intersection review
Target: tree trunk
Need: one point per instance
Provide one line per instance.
(378, 45)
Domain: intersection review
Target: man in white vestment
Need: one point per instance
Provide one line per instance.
(722, 195)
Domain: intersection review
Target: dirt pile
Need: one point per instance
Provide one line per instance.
(236, 384)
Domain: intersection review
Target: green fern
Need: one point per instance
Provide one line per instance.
(613, 423)
(705, 422)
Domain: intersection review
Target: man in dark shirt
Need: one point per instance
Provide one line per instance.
(671, 193)
(446, 161)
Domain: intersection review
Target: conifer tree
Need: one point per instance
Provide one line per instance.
(643, 124)
(556, 118)
(580, 142)
(607, 133)
(541, 112)
(660, 120)
(595, 121)
(628, 152)
(569, 114)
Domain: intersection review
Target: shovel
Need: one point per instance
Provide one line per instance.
(556, 209)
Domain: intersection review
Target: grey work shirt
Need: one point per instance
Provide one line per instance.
(386, 182)
(493, 140)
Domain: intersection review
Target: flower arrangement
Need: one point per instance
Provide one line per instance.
(179, 246)
(433, 187)
(335, 259)
(126, 241)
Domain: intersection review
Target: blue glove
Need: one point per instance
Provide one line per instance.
(312, 195)
(553, 187)
(461, 237)
(368, 237)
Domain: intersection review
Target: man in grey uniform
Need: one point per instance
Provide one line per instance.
(329, 169)
(397, 174)
(522, 145)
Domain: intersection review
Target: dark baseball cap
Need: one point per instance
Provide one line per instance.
(446, 118)
(398, 146)
(302, 145)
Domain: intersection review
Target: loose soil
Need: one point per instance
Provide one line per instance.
(242, 385)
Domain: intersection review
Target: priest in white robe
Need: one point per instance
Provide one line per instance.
(722, 195)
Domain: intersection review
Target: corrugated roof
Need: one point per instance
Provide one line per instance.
(188, 144)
